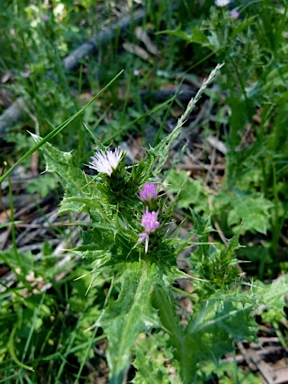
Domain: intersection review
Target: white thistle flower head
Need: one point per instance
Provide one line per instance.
(222, 3)
(106, 162)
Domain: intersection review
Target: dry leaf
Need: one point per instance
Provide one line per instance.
(138, 51)
(142, 35)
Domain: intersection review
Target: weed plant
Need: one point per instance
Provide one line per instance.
(120, 296)
(128, 243)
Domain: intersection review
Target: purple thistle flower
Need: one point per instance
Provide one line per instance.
(235, 15)
(45, 18)
(149, 221)
(150, 224)
(106, 162)
(148, 193)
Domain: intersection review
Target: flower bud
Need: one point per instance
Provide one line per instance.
(148, 193)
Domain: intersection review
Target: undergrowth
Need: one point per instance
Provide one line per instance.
(113, 305)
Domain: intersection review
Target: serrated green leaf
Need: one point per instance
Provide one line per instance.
(228, 254)
(271, 295)
(224, 317)
(253, 210)
(131, 314)
(176, 180)
(246, 211)
(77, 184)
(153, 352)
(219, 320)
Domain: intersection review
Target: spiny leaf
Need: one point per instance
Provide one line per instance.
(217, 320)
(131, 314)
(271, 295)
(77, 184)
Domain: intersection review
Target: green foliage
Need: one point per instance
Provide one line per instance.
(270, 295)
(47, 185)
(230, 373)
(215, 264)
(21, 141)
(77, 185)
(38, 327)
(254, 77)
(223, 315)
(244, 212)
(239, 210)
(131, 314)
(196, 36)
(140, 301)
(154, 369)
(112, 246)
(192, 192)
(112, 242)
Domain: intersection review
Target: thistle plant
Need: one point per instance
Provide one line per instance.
(129, 240)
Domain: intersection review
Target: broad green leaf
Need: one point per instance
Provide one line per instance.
(129, 315)
(253, 210)
(176, 180)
